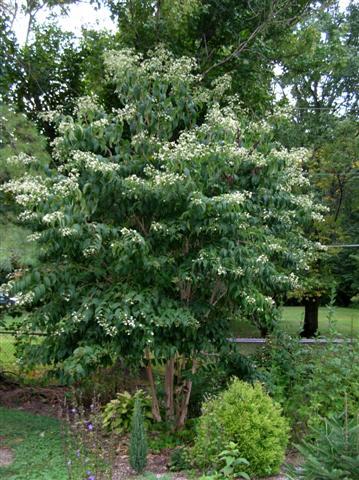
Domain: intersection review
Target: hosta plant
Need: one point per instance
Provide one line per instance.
(117, 414)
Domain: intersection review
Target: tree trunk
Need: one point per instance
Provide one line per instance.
(310, 326)
(182, 414)
(169, 389)
(155, 405)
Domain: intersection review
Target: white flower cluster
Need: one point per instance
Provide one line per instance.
(34, 237)
(22, 159)
(28, 190)
(67, 232)
(53, 217)
(238, 272)
(24, 299)
(248, 299)
(110, 330)
(221, 85)
(159, 227)
(66, 186)
(262, 259)
(87, 104)
(269, 300)
(101, 123)
(132, 235)
(27, 216)
(236, 198)
(127, 113)
(168, 179)
(90, 251)
(221, 271)
(129, 322)
(92, 162)
(224, 118)
(77, 317)
(118, 63)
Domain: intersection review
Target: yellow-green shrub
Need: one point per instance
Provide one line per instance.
(246, 415)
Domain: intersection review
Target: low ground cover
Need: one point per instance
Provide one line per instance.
(35, 442)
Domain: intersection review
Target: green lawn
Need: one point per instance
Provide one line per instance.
(37, 446)
(346, 322)
(7, 350)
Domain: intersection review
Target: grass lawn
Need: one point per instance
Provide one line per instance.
(36, 443)
(7, 350)
(346, 322)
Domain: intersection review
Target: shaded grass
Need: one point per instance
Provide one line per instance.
(35, 441)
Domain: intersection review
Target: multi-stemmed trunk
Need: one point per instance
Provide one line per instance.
(177, 392)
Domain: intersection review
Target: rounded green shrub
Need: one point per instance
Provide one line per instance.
(246, 415)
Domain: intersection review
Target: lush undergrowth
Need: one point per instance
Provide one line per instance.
(36, 444)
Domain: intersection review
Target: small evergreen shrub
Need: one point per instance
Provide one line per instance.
(138, 440)
(246, 415)
(333, 455)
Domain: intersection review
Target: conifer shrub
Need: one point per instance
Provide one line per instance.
(330, 452)
(246, 415)
(138, 441)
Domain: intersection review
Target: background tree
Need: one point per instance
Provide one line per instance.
(20, 144)
(50, 77)
(320, 70)
(167, 216)
(243, 37)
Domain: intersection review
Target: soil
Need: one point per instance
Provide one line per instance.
(37, 400)
(6, 457)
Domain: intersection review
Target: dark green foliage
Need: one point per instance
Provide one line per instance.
(311, 382)
(179, 459)
(216, 372)
(246, 415)
(161, 437)
(138, 441)
(333, 454)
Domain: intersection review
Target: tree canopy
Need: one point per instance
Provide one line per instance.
(166, 215)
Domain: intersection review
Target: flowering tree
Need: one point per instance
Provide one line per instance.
(167, 215)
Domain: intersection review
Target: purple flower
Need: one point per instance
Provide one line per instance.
(91, 477)
(73, 410)
(77, 453)
(89, 426)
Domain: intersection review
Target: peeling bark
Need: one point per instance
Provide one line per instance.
(155, 405)
(169, 389)
(187, 389)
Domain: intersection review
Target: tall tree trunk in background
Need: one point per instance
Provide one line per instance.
(310, 326)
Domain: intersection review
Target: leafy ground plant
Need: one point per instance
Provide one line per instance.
(231, 465)
(118, 412)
